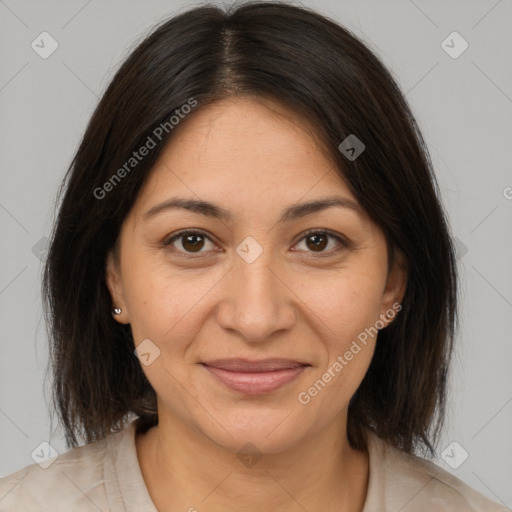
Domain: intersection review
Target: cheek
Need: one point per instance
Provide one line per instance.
(347, 309)
(345, 303)
(346, 306)
(167, 305)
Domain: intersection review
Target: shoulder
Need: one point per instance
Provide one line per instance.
(409, 483)
(73, 480)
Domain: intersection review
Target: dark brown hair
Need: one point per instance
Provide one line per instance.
(321, 71)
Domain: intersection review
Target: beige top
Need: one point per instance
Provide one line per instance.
(105, 475)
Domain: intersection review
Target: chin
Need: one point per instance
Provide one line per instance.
(267, 430)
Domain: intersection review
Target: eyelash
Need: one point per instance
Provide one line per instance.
(343, 244)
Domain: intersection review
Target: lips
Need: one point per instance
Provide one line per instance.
(246, 365)
(255, 377)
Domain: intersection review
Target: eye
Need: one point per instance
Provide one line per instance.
(316, 241)
(189, 241)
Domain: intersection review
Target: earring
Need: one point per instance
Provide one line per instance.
(116, 311)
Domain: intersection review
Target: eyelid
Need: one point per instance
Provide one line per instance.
(342, 241)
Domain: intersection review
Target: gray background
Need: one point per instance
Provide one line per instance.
(463, 106)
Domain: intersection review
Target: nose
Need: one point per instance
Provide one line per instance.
(257, 301)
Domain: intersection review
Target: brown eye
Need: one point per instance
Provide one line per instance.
(317, 241)
(189, 242)
(192, 243)
(322, 242)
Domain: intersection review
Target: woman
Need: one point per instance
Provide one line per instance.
(251, 285)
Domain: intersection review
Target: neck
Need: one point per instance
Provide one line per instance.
(185, 470)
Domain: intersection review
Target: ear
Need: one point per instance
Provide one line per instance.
(395, 288)
(115, 287)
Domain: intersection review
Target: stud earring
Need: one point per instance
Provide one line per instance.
(116, 311)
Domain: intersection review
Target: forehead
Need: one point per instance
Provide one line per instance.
(246, 151)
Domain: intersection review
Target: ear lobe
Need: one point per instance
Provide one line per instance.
(114, 285)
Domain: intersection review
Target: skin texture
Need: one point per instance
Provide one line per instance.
(254, 158)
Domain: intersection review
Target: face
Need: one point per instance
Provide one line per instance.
(257, 314)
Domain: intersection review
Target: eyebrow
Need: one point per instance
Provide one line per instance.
(291, 213)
